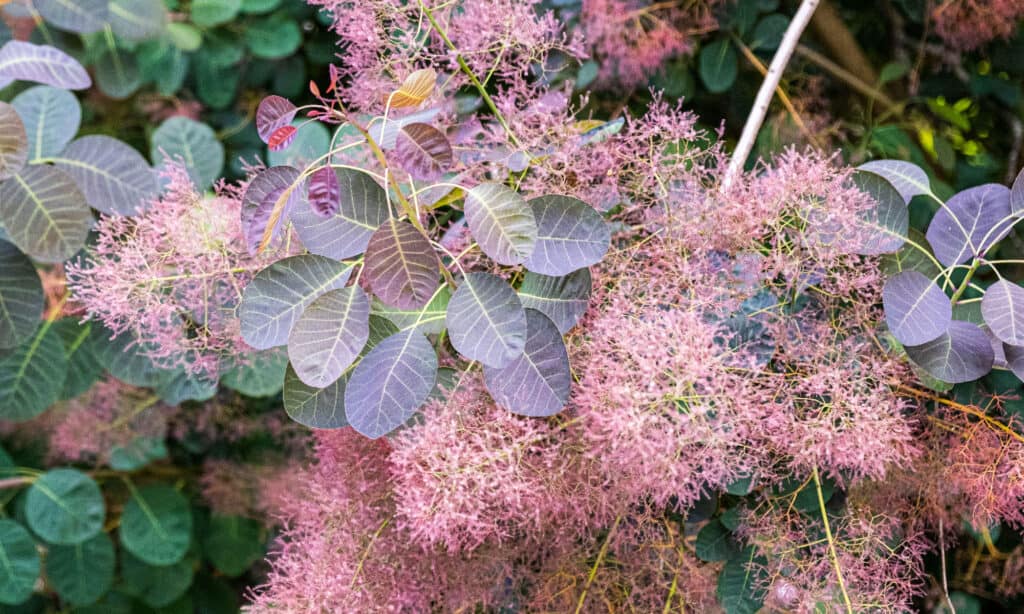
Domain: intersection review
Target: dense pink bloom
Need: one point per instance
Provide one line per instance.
(172, 276)
(969, 24)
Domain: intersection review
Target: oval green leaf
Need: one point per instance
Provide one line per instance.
(18, 576)
(82, 573)
(45, 213)
(501, 222)
(194, 143)
(318, 408)
(21, 297)
(65, 507)
(156, 525)
(32, 376)
(52, 117)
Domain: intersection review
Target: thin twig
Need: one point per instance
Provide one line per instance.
(767, 91)
(831, 542)
(942, 554)
(597, 564)
(846, 76)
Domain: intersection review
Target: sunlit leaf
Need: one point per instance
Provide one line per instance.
(970, 223)
(423, 151)
(273, 113)
(501, 222)
(401, 265)
(570, 236)
(318, 408)
(562, 299)
(390, 383)
(52, 117)
(13, 142)
(113, 176)
(21, 297)
(268, 202)
(1003, 310)
(362, 208)
(282, 138)
(916, 309)
(78, 16)
(277, 295)
(537, 382)
(44, 213)
(65, 506)
(192, 142)
(329, 335)
(429, 320)
(961, 354)
(415, 89)
(83, 572)
(18, 577)
(486, 320)
(156, 524)
(906, 177)
(21, 61)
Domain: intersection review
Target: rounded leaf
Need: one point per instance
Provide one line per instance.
(486, 320)
(18, 577)
(415, 89)
(714, 543)
(906, 177)
(318, 408)
(537, 382)
(82, 573)
(501, 222)
(562, 299)
(13, 142)
(117, 73)
(156, 524)
(961, 354)
(1014, 359)
(233, 543)
(32, 376)
(970, 223)
(401, 265)
(65, 507)
(21, 61)
(194, 143)
(570, 236)
(916, 309)
(883, 228)
(84, 366)
(1003, 310)
(273, 113)
(277, 295)
(718, 65)
(423, 151)
(390, 383)
(21, 297)
(268, 202)
(157, 586)
(324, 192)
(429, 319)
(1017, 194)
(261, 375)
(329, 335)
(125, 358)
(137, 20)
(210, 13)
(112, 175)
(44, 213)
(52, 117)
(309, 144)
(78, 16)
(362, 207)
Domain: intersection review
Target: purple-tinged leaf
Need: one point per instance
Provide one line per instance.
(278, 294)
(537, 383)
(423, 151)
(21, 61)
(961, 354)
(562, 299)
(1017, 194)
(1003, 310)
(970, 223)
(52, 117)
(362, 209)
(329, 335)
(916, 309)
(324, 192)
(78, 16)
(486, 320)
(13, 142)
(44, 213)
(401, 266)
(273, 113)
(318, 408)
(883, 228)
(390, 383)
(1014, 359)
(386, 133)
(282, 138)
(501, 222)
(114, 177)
(267, 203)
(908, 178)
(570, 236)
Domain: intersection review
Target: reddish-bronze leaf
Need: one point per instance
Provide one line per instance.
(423, 151)
(401, 265)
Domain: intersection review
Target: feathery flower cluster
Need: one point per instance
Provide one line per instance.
(632, 38)
(172, 276)
(969, 24)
